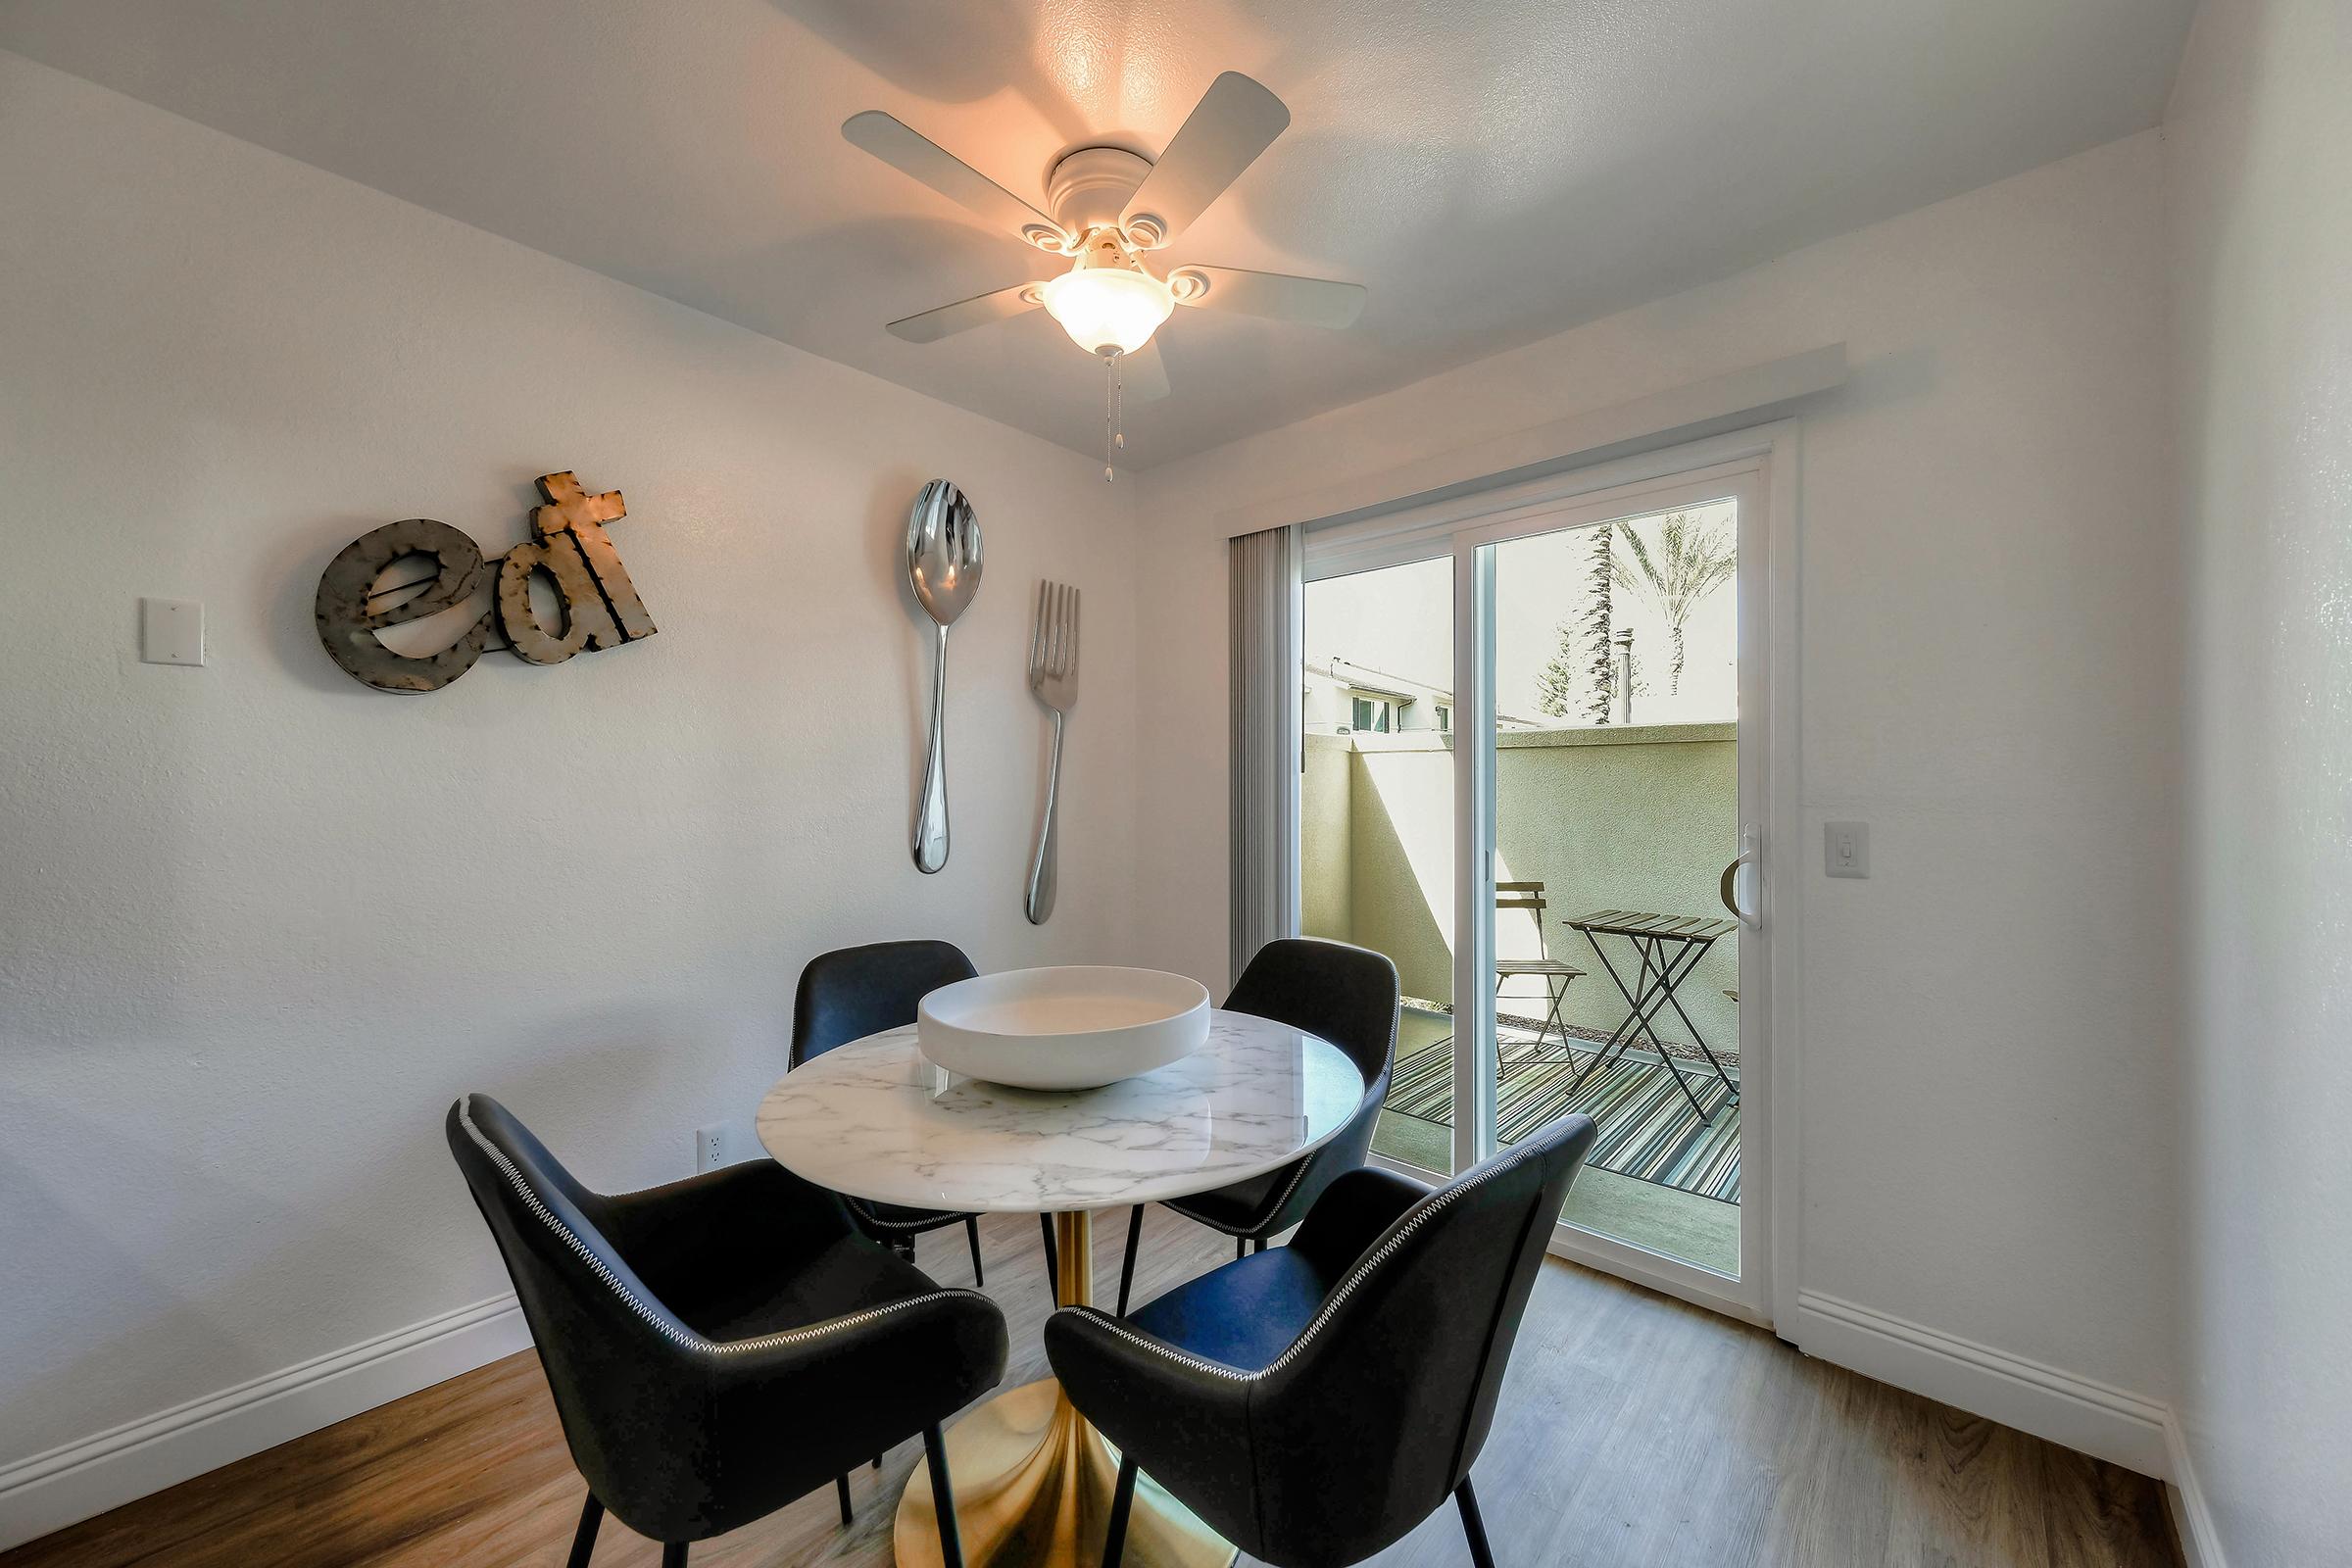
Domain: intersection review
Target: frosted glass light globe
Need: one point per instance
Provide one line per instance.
(1108, 309)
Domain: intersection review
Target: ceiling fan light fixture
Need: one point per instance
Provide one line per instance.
(1108, 206)
(1109, 310)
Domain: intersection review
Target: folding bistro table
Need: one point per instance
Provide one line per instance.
(1669, 946)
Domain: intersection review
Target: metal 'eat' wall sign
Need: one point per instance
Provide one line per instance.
(601, 607)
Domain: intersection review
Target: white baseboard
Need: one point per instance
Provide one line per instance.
(2096, 1418)
(106, 1469)
(2192, 1520)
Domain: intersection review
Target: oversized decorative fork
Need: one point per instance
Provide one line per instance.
(1054, 678)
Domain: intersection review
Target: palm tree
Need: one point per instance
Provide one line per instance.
(1691, 562)
(1585, 640)
(1555, 683)
(1599, 579)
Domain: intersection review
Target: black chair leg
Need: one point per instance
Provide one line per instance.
(1257, 1244)
(1241, 1247)
(1044, 1224)
(971, 1233)
(1135, 1234)
(1122, 1500)
(840, 1490)
(1480, 1554)
(673, 1555)
(583, 1540)
(942, 1499)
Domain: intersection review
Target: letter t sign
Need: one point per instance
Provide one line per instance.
(572, 510)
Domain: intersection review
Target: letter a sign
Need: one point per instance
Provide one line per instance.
(569, 545)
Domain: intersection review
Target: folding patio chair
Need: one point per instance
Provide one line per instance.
(1555, 972)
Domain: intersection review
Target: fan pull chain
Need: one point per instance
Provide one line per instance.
(1114, 439)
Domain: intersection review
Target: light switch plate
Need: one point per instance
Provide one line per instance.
(171, 631)
(1848, 848)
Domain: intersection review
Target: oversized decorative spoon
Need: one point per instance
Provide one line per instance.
(943, 566)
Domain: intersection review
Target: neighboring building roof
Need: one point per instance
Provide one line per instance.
(1364, 678)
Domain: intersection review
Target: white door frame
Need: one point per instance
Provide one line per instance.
(1760, 466)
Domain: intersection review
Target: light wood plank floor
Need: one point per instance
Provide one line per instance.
(1632, 1430)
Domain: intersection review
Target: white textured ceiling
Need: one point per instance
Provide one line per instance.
(1492, 172)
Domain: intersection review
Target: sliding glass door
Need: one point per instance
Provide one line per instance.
(1527, 777)
(1616, 810)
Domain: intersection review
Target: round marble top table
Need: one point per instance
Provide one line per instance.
(876, 1120)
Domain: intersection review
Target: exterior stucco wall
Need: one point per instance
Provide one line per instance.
(1637, 817)
(1326, 790)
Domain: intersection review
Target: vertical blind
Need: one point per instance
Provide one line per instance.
(1266, 675)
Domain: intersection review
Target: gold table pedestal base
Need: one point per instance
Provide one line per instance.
(1033, 1483)
(1033, 1479)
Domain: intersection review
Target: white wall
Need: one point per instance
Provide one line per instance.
(260, 924)
(1991, 669)
(2259, 158)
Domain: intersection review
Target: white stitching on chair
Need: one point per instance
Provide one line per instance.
(866, 1212)
(1307, 1163)
(1304, 1165)
(1270, 1210)
(1330, 1303)
(1258, 1222)
(662, 1322)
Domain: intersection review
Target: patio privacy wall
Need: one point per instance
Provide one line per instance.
(1630, 817)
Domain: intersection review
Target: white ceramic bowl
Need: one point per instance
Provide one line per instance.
(1063, 1028)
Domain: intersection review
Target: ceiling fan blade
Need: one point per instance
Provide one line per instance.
(917, 156)
(1276, 296)
(1234, 122)
(964, 314)
(1143, 373)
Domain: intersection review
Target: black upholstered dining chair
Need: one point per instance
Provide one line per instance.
(688, 1331)
(851, 993)
(1313, 1403)
(1346, 995)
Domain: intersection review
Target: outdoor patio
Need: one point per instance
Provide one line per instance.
(1649, 1130)
(1625, 818)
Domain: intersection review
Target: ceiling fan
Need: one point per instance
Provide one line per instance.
(1109, 209)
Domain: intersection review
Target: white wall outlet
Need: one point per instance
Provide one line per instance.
(710, 1147)
(171, 631)
(1847, 846)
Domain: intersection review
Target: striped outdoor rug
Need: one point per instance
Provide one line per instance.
(1648, 1129)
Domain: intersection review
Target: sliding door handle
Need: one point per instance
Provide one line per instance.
(1729, 890)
